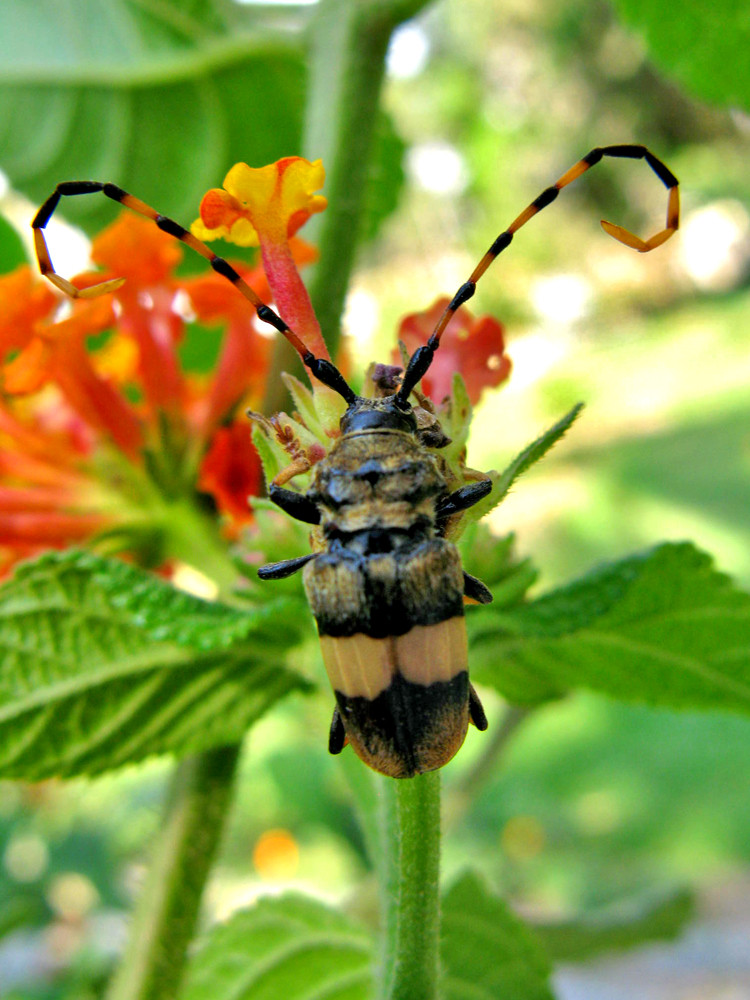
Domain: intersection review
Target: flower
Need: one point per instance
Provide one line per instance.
(102, 429)
(473, 347)
(106, 435)
(265, 207)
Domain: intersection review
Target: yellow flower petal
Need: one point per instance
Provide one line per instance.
(262, 203)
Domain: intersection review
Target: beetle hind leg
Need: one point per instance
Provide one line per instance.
(337, 738)
(476, 710)
(476, 590)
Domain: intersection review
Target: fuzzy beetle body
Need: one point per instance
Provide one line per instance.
(387, 595)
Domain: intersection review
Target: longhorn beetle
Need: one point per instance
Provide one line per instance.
(387, 590)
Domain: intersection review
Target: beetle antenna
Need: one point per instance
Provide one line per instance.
(323, 369)
(422, 357)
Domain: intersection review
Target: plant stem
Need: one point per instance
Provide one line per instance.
(169, 903)
(350, 41)
(410, 874)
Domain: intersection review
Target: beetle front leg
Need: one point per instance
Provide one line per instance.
(463, 498)
(297, 505)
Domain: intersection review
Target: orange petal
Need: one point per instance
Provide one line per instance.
(25, 300)
(136, 249)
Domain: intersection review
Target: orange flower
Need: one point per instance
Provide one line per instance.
(473, 347)
(231, 472)
(98, 436)
(263, 202)
(265, 207)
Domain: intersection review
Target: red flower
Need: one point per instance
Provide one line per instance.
(103, 436)
(473, 347)
(231, 472)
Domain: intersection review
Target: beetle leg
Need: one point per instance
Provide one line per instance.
(295, 468)
(337, 739)
(280, 570)
(476, 712)
(297, 505)
(463, 498)
(476, 590)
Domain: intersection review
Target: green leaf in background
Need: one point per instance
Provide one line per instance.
(663, 627)
(486, 951)
(102, 664)
(495, 562)
(703, 46)
(12, 253)
(289, 948)
(661, 919)
(160, 99)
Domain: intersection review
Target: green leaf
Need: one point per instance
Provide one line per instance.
(663, 627)
(644, 921)
(164, 131)
(103, 664)
(702, 46)
(291, 947)
(159, 98)
(487, 952)
(12, 253)
(502, 482)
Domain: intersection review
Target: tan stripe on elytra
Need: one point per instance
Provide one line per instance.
(429, 653)
(359, 666)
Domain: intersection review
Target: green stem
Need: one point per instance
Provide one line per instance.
(169, 903)
(410, 852)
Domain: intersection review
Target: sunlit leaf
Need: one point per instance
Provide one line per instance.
(292, 947)
(102, 664)
(662, 627)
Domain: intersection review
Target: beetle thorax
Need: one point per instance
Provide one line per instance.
(377, 479)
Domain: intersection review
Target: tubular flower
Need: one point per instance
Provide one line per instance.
(105, 435)
(265, 207)
(101, 427)
(473, 347)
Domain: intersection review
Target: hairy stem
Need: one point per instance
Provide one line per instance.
(167, 911)
(410, 870)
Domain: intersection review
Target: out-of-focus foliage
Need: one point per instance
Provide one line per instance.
(701, 46)
(160, 99)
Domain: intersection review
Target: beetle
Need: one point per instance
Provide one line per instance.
(387, 588)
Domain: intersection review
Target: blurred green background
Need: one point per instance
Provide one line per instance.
(485, 105)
